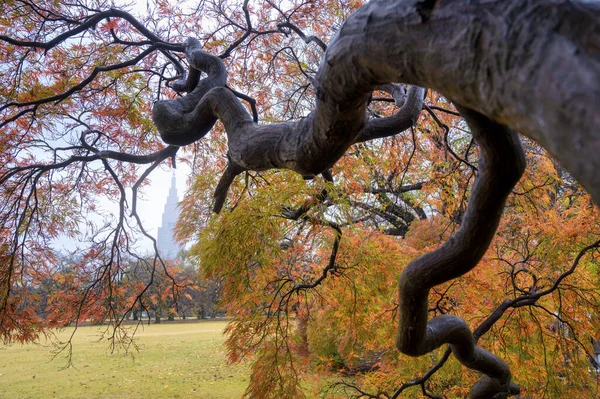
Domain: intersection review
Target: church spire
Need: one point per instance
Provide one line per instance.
(167, 246)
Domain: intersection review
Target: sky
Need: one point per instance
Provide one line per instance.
(151, 209)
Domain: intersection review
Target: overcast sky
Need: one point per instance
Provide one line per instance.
(151, 209)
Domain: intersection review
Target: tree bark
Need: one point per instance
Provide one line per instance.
(531, 65)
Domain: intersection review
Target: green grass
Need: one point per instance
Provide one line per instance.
(174, 361)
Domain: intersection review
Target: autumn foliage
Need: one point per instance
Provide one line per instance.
(306, 270)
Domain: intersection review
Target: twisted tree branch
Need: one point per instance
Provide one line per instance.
(501, 164)
(309, 146)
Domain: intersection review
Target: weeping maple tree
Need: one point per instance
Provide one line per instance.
(351, 166)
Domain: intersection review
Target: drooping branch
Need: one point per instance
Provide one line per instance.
(90, 22)
(426, 376)
(525, 299)
(96, 155)
(331, 265)
(168, 152)
(157, 156)
(231, 171)
(501, 164)
(446, 133)
(67, 93)
(70, 29)
(330, 269)
(246, 33)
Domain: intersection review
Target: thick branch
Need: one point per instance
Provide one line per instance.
(404, 119)
(501, 164)
(499, 58)
(184, 120)
(227, 178)
(309, 146)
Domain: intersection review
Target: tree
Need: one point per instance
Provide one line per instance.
(81, 82)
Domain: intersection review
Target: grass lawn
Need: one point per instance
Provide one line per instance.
(175, 361)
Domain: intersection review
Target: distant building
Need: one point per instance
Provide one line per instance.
(167, 247)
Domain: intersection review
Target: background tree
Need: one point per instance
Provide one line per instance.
(307, 260)
(200, 296)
